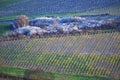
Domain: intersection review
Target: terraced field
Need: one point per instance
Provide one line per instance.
(90, 55)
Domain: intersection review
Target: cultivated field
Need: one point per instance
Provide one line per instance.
(90, 55)
(10, 9)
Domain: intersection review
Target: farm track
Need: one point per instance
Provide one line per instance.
(97, 54)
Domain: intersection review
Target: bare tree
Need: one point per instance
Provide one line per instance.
(21, 21)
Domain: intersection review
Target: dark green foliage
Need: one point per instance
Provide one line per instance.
(4, 28)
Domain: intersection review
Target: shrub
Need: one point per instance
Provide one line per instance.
(38, 74)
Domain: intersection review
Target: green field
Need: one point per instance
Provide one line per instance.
(4, 3)
(112, 9)
(21, 72)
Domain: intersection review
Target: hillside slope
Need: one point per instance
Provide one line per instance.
(94, 55)
(30, 7)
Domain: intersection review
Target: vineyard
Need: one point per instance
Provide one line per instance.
(88, 55)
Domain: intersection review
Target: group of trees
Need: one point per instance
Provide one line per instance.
(23, 27)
